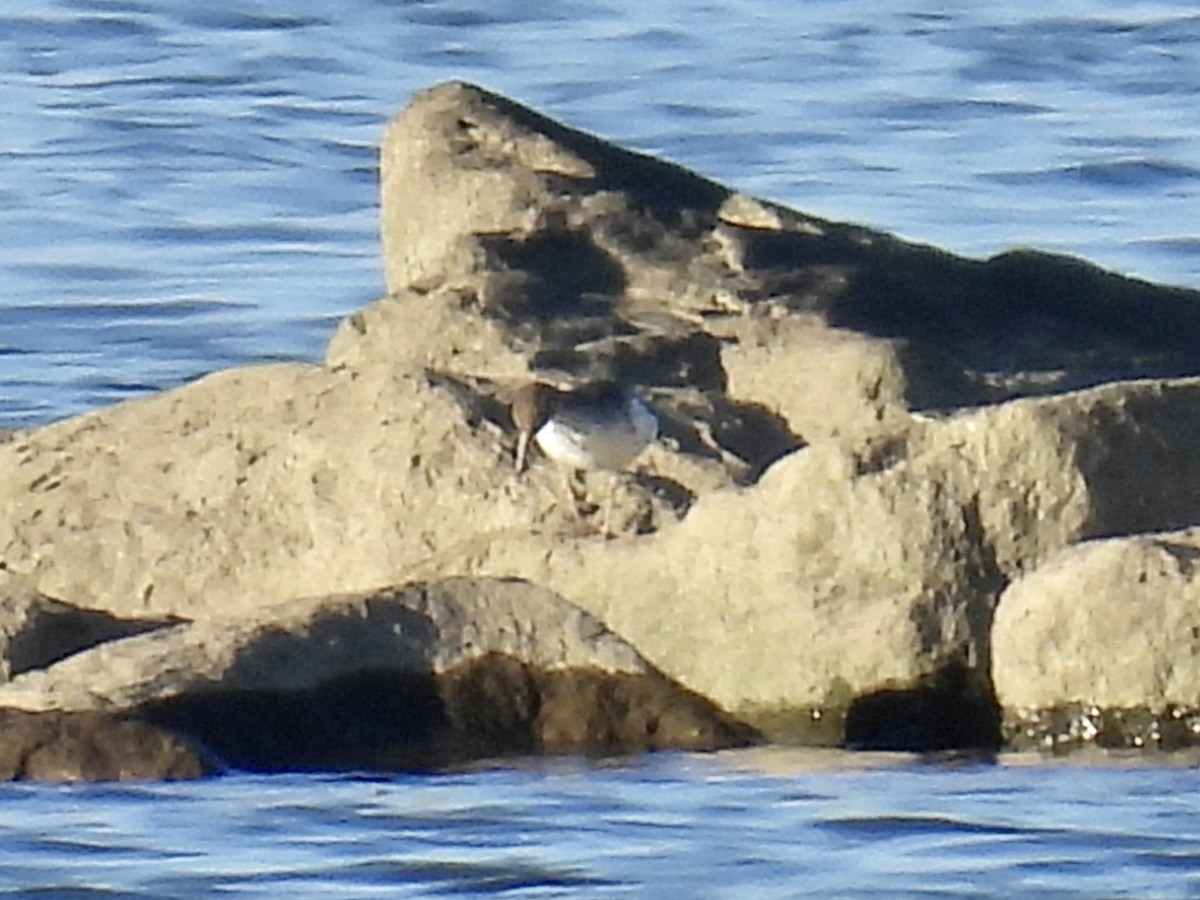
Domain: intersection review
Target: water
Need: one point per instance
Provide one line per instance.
(186, 187)
(764, 824)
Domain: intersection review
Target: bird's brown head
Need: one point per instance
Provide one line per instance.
(529, 407)
(530, 410)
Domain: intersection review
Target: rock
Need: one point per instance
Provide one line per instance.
(1103, 643)
(252, 486)
(92, 746)
(36, 630)
(864, 441)
(826, 581)
(569, 240)
(424, 676)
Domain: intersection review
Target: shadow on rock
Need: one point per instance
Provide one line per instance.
(492, 707)
(951, 709)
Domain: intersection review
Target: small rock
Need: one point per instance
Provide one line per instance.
(93, 746)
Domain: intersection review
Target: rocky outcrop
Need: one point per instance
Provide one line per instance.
(865, 442)
(585, 250)
(252, 486)
(882, 576)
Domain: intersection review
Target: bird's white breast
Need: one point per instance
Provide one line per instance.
(609, 442)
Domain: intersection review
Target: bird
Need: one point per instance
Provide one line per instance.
(598, 426)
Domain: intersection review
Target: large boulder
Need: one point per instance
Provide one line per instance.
(252, 486)
(428, 675)
(581, 248)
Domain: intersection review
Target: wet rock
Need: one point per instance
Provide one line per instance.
(488, 708)
(93, 746)
(1071, 727)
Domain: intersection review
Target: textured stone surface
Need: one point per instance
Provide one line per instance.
(533, 221)
(1107, 623)
(304, 643)
(252, 486)
(798, 538)
(824, 578)
(92, 746)
(36, 630)
(429, 675)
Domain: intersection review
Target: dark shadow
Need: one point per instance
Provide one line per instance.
(1019, 312)
(1139, 480)
(936, 381)
(951, 709)
(55, 634)
(565, 276)
(670, 492)
(690, 360)
(368, 720)
(1022, 311)
(753, 433)
(715, 427)
(491, 707)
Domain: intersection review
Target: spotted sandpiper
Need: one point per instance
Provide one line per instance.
(599, 426)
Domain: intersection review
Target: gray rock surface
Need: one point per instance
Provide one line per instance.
(864, 442)
(1109, 623)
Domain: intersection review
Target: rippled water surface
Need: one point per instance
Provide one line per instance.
(763, 824)
(188, 186)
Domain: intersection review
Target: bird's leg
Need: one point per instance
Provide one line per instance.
(522, 456)
(605, 527)
(569, 492)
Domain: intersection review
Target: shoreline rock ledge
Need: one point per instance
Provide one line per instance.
(895, 492)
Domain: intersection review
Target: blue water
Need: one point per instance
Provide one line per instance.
(189, 186)
(762, 824)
